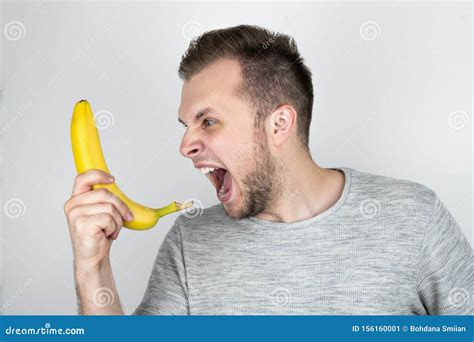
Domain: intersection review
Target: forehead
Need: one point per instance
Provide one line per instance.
(214, 86)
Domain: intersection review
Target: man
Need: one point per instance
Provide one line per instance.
(289, 236)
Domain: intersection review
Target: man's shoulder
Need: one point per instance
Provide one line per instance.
(393, 212)
(391, 188)
(394, 196)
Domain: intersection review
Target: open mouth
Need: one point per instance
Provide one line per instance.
(222, 181)
(218, 177)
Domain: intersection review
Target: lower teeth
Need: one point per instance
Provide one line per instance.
(222, 192)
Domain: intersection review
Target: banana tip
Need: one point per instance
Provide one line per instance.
(186, 205)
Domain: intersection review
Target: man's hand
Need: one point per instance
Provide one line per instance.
(95, 218)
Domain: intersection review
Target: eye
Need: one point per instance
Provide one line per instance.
(208, 122)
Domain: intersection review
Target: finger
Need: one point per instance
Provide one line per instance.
(94, 209)
(115, 235)
(93, 224)
(100, 196)
(84, 181)
(105, 222)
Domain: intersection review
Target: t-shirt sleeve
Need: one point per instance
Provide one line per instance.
(167, 292)
(445, 281)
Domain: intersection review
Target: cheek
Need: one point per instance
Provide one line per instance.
(244, 157)
(234, 146)
(232, 143)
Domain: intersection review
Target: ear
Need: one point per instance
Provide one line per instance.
(282, 123)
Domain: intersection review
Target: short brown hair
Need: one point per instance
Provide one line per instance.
(273, 72)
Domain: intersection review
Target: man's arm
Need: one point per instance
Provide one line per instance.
(96, 290)
(445, 282)
(95, 218)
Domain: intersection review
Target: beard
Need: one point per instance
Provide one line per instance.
(260, 186)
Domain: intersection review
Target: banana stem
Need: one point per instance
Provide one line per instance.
(173, 207)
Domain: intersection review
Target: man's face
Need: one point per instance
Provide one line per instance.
(225, 138)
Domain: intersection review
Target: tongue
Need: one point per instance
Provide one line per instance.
(227, 181)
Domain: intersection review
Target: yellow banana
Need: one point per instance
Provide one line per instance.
(88, 155)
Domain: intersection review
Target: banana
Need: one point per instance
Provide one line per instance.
(88, 155)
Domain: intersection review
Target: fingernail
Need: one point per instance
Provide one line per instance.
(111, 178)
(129, 216)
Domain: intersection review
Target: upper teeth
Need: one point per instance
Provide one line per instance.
(205, 170)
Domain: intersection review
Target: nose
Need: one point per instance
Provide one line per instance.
(190, 147)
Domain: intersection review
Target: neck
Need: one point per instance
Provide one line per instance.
(304, 190)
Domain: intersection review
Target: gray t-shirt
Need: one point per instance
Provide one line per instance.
(386, 247)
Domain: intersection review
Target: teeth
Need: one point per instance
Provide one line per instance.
(205, 170)
(222, 191)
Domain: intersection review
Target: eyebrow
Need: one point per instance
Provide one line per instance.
(199, 114)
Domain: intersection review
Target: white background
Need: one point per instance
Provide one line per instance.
(383, 105)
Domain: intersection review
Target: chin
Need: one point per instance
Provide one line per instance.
(234, 211)
(231, 212)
